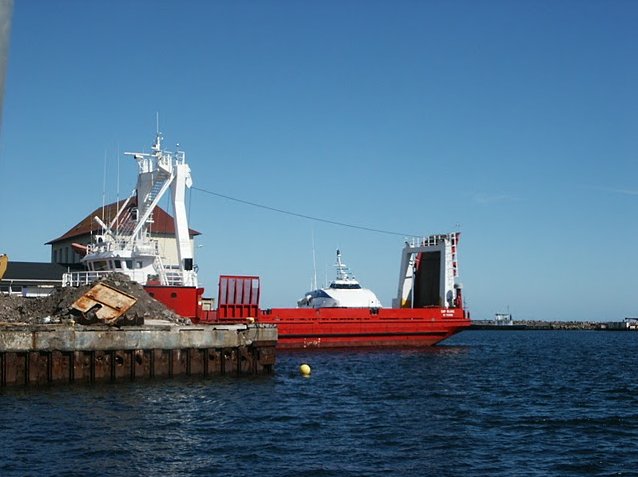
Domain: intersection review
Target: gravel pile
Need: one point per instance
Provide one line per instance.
(56, 308)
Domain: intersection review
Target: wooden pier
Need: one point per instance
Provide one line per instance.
(44, 354)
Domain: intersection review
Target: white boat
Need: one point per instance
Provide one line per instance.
(125, 245)
(343, 292)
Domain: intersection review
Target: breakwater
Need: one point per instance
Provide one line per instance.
(554, 325)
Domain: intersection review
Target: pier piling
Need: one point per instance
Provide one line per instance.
(45, 354)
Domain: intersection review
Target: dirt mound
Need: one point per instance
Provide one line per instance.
(56, 308)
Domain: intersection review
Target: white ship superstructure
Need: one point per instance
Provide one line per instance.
(343, 292)
(125, 244)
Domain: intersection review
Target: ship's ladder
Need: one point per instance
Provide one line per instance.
(451, 264)
(453, 247)
(161, 183)
(158, 265)
(158, 184)
(449, 267)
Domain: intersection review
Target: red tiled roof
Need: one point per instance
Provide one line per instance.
(162, 222)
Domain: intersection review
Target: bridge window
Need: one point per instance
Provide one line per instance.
(101, 266)
(345, 286)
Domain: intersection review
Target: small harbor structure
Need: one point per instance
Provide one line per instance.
(628, 324)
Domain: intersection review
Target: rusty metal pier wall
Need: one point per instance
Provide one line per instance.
(43, 354)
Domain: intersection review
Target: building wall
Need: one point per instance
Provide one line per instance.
(168, 249)
(62, 253)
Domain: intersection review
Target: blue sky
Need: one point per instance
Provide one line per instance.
(513, 122)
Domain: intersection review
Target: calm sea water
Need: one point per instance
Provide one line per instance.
(484, 403)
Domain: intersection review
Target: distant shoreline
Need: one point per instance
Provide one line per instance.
(554, 325)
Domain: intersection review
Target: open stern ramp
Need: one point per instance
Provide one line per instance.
(429, 273)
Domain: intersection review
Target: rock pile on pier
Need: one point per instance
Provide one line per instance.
(56, 308)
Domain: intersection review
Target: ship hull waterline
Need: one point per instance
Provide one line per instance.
(362, 327)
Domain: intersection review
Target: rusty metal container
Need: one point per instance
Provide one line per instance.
(104, 303)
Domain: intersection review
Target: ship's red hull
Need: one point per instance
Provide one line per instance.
(363, 327)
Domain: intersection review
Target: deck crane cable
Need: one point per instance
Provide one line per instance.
(303, 216)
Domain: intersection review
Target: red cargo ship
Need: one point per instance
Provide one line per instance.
(428, 307)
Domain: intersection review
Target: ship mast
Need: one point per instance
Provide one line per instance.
(158, 172)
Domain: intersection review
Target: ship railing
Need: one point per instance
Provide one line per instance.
(76, 279)
(120, 243)
(116, 244)
(170, 275)
(148, 246)
(433, 240)
(174, 278)
(98, 247)
(178, 278)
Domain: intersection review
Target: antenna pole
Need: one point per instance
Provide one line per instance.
(314, 262)
(117, 199)
(104, 186)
